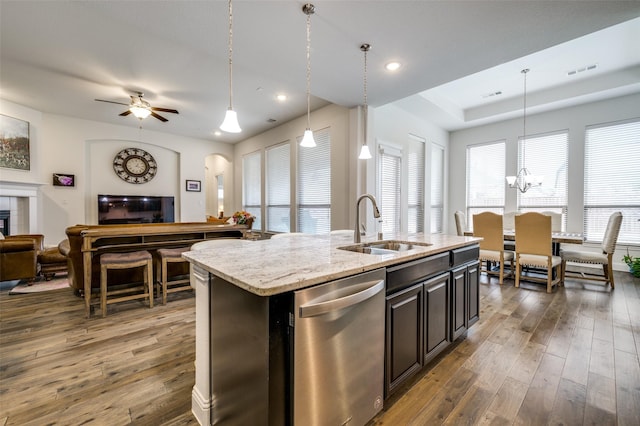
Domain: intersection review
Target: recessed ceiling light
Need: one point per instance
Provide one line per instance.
(582, 69)
(393, 66)
(281, 98)
(217, 133)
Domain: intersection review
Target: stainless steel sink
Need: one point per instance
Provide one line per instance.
(384, 247)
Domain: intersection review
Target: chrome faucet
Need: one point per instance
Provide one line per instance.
(376, 214)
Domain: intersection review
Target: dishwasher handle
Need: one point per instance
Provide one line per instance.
(320, 308)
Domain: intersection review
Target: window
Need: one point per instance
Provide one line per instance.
(251, 187)
(485, 178)
(437, 188)
(278, 184)
(545, 155)
(612, 179)
(390, 173)
(415, 187)
(314, 185)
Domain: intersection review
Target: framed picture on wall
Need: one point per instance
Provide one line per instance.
(14, 143)
(64, 179)
(193, 185)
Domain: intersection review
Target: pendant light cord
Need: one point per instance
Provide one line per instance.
(524, 118)
(365, 49)
(230, 55)
(309, 67)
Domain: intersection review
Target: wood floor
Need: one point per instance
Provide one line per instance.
(570, 357)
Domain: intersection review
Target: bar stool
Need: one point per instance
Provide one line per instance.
(136, 259)
(167, 284)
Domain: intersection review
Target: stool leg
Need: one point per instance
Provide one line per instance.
(148, 279)
(164, 281)
(103, 290)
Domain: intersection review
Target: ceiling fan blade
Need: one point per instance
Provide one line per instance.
(159, 117)
(111, 102)
(124, 114)
(174, 111)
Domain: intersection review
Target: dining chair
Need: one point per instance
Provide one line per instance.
(533, 248)
(556, 220)
(605, 258)
(488, 225)
(460, 222)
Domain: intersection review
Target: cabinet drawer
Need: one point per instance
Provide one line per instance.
(465, 254)
(402, 276)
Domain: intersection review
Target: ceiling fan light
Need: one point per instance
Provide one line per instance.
(307, 139)
(230, 123)
(140, 111)
(365, 154)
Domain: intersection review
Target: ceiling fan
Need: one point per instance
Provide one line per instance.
(141, 108)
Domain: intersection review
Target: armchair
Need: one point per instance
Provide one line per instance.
(19, 256)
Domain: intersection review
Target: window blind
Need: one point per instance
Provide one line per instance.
(390, 168)
(314, 185)
(485, 178)
(437, 188)
(545, 155)
(278, 184)
(415, 184)
(251, 187)
(612, 179)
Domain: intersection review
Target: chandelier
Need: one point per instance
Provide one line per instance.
(525, 179)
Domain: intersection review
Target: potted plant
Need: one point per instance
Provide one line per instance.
(633, 263)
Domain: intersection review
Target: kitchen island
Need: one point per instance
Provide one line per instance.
(244, 319)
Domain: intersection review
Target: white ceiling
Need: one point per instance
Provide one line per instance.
(58, 56)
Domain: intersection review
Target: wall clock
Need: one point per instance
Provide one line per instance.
(134, 165)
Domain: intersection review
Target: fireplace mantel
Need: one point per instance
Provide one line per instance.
(24, 190)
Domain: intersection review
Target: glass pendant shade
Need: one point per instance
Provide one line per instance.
(365, 154)
(140, 112)
(307, 139)
(230, 123)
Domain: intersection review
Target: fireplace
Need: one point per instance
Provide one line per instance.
(5, 216)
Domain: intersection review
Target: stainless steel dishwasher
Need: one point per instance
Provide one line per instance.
(338, 373)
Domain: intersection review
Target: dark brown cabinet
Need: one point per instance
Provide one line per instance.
(430, 302)
(436, 308)
(465, 298)
(403, 336)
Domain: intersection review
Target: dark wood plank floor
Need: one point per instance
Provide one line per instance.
(570, 357)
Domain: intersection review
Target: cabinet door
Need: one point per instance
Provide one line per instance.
(436, 305)
(458, 302)
(473, 286)
(403, 336)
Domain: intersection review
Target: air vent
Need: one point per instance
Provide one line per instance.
(492, 94)
(582, 69)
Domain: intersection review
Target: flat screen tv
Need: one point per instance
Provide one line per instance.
(115, 209)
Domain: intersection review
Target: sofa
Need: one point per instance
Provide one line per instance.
(87, 242)
(19, 256)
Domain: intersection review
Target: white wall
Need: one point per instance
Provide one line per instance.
(575, 119)
(61, 144)
(343, 155)
(394, 125)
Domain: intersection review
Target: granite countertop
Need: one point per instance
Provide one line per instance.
(268, 267)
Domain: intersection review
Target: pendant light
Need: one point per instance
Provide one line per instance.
(365, 154)
(525, 179)
(230, 123)
(307, 139)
